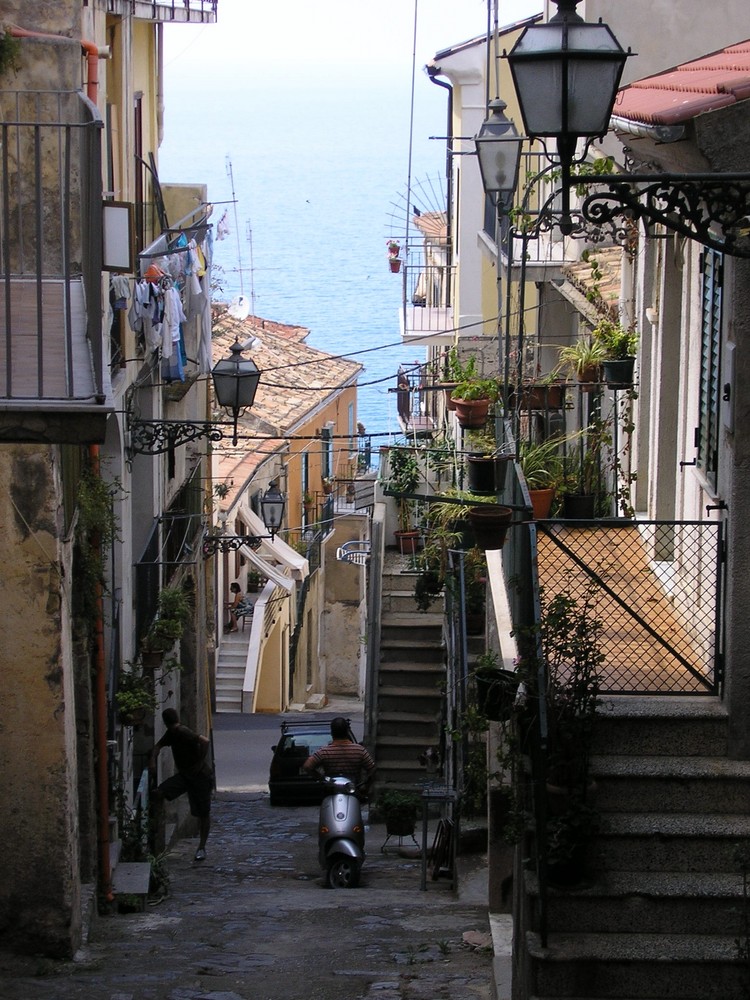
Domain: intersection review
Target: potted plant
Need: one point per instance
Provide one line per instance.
(490, 523)
(541, 464)
(571, 640)
(404, 477)
(327, 483)
(569, 636)
(394, 260)
(619, 347)
(172, 615)
(582, 486)
(486, 463)
(399, 811)
(496, 687)
(134, 697)
(253, 581)
(584, 360)
(473, 397)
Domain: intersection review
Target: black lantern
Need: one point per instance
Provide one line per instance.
(498, 146)
(272, 505)
(235, 383)
(566, 74)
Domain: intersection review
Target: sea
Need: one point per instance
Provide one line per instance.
(319, 177)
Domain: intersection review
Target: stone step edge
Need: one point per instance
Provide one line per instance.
(654, 766)
(698, 825)
(660, 886)
(662, 949)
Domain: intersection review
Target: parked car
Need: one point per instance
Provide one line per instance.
(287, 783)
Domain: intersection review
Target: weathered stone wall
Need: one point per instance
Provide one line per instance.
(39, 863)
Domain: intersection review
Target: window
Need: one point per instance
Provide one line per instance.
(707, 432)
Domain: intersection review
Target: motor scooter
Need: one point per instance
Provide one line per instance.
(341, 834)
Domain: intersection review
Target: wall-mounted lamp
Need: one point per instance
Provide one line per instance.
(272, 506)
(235, 381)
(498, 146)
(566, 74)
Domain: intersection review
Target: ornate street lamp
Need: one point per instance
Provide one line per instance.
(272, 505)
(235, 381)
(566, 74)
(271, 510)
(498, 146)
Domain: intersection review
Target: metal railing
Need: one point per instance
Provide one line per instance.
(51, 344)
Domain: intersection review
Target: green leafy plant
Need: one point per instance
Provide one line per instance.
(172, 615)
(583, 358)
(541, 463)
(10, 53)
(405, 475)
(135, 694)
(398, 809)
(476, 388)
(614, 340)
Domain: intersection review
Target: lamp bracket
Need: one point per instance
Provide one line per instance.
(155, 437)
(709, 208)
(230, 543)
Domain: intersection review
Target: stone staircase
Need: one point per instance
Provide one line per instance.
(662, 911)
(230, 670)
(410, 680)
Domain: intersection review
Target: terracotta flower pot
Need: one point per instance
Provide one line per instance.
(472, 413)
(490, 525)
(541, 502)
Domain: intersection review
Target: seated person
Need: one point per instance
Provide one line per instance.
(237, 606)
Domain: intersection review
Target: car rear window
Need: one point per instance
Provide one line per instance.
(302, 744)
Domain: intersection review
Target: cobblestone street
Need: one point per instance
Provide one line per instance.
(255, 921)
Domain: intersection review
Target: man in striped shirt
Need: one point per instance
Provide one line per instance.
(342, 757)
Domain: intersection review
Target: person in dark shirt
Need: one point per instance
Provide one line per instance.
(193, 776)
(342, 757)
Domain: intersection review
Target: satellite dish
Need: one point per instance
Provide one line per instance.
(239, 307)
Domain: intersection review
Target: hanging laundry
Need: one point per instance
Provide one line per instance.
(173, 316)
(222, 227)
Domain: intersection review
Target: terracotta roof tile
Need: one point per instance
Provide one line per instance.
(295, 380)
(714, 81)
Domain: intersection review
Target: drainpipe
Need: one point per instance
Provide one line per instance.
(93, 54)
(432, 73)
(92, 51)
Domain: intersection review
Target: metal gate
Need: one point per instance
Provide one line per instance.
(657, 587)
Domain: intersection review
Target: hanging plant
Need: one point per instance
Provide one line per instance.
(10, 53)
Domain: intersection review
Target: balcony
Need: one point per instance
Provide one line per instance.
(187, 11)
(54, 385)
(429, 290)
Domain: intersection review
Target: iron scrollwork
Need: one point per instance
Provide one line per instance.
(155, 437)
(230, 543)
(709, 208)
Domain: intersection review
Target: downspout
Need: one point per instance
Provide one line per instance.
(93, 53)
(432, 73)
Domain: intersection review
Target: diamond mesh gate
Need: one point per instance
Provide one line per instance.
(657, 587)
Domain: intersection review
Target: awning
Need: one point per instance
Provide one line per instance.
(277, 550)
(271, 572)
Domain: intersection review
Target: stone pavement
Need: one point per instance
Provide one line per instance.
(255, 921)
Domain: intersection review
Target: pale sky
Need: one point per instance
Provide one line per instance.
(302, 37)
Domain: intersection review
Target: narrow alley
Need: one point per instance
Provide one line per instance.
(255, 920)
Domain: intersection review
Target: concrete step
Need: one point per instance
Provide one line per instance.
(667, 966)
(415, 723)
(416, 651)
(661, 726)
(669, 784)
(669, 842)
(647, 902)
(402, 748)
(394, 698)
(412, 674)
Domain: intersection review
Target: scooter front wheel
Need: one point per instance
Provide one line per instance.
(342, 873)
